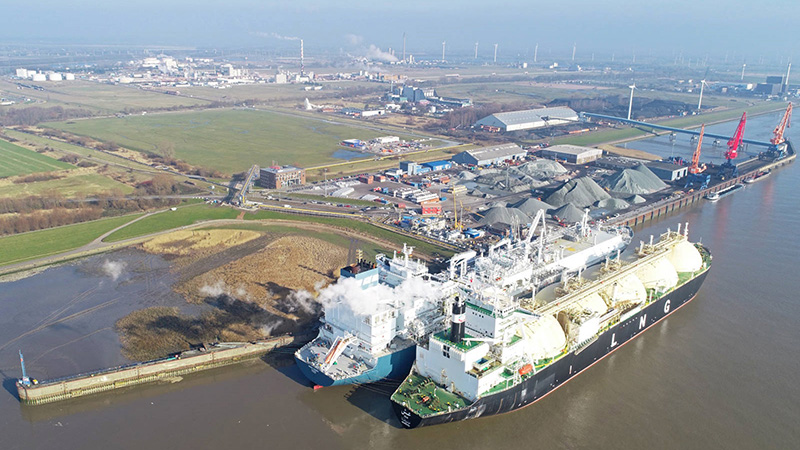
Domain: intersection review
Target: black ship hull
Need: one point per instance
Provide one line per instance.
(554, 376)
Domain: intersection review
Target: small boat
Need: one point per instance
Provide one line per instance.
(714, 196)
(757, 177)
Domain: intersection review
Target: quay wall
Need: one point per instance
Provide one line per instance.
(106, 380)
(666, 206)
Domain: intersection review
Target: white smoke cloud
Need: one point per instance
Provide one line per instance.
(375, 53)
(113, 268)
(214, 290)
(274, 35)
(347, 293)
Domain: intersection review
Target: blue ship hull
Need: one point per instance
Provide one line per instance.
(394, 365)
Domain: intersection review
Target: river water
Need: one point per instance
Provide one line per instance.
(719, 373)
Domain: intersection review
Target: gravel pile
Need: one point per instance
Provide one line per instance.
(504, 216)
(612, 204)
(568, 213)
(541, 169)
(531, 206)
(636, 200)
(581, 192)
(638, 180)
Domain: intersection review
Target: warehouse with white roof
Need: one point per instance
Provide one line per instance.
(528, 119)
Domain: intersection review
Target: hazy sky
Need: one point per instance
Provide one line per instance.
(767, 28)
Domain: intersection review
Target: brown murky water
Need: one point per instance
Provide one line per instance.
(720, 373)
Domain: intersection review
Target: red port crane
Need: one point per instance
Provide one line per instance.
(784, 123)
(695, 167)
(736, 140)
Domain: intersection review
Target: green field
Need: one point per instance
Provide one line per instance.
(98, 97)
(168, 220)
(15, 160)
(227, 140)
(70, 186)
(37, 244)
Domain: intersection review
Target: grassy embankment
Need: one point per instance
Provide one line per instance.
(169, 219)
(38, 244)
(227, 140)
(626, 134)
(358, 227)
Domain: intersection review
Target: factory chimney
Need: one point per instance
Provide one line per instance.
(495, 53)
(458, 322)
(302, 60)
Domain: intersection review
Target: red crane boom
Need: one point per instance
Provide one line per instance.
(784, 123)
(736, 140)
(695, 166)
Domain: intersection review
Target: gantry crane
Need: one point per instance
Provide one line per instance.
(778, 150)
(696, 174)
(733, 149)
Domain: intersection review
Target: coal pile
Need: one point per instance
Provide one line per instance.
(637, 180)
(581, 192)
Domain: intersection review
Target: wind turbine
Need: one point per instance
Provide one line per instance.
(743, 66)
(702, 84)
(495, 53)
(444, 43)
(630, 105)
(476, 50)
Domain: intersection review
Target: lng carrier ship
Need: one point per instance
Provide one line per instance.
(377, 313)
(503, 352)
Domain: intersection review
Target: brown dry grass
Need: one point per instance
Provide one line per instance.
(188, 242)
(268, 277)
(158, 331)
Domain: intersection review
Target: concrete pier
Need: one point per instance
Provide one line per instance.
(218, 355)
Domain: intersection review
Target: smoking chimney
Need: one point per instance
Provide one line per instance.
(457, 326)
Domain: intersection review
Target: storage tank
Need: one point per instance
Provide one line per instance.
(628, 289)
(543, 338)
(685, 257)
(659, 274)
(594, 303)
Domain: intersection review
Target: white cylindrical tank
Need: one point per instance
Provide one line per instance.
(543, 338)
(659, 274)
(685, 257)
(628, 289)
(594, 303)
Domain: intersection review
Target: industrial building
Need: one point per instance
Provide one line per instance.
(487, 156)
(409, 167)
(277, 177)
(438, 165)
(667, 171)
(571, 153)
(528, 119)
(431, 208)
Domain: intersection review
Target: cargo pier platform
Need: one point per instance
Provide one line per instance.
(663, 207)
(196, 360)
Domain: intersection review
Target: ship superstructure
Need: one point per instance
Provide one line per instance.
(503, 352)
(523, 264)
(372, 318)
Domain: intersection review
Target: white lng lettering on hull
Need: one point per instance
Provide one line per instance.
(666, 306)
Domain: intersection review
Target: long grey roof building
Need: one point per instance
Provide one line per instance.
(529, 119)
(486, 156)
